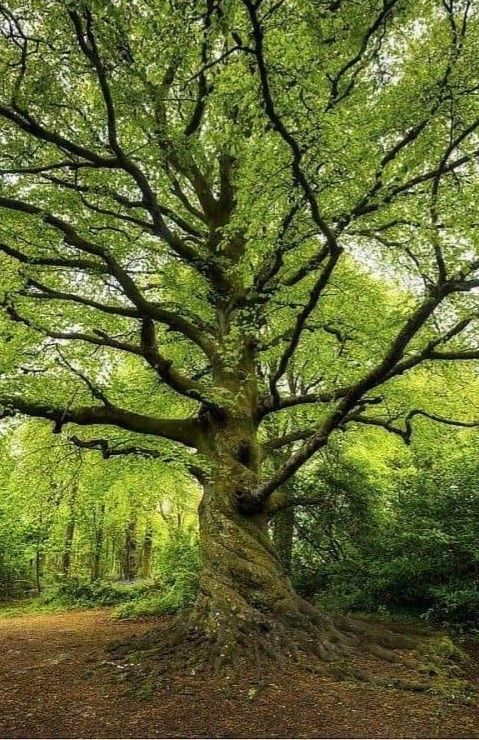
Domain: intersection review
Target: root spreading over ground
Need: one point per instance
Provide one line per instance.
(337, 646)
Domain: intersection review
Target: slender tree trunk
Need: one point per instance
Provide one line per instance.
(69, 532)
(67, 547)
(283, 531)
(146, 551)
(283, 521)
(129, 551)
(98, 547)
(38, 566)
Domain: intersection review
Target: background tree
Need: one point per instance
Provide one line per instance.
(197, 187)
(45, 480)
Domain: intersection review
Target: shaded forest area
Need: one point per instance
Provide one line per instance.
(396, 531)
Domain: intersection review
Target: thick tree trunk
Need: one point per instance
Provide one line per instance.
(241, 572)
(244, 592)
(246, 604)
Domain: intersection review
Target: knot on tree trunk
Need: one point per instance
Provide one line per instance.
(212, 413)
(248, 502)
(243, 452)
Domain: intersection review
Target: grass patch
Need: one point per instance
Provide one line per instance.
(31, 605)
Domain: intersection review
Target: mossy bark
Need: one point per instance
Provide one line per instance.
(247, 609)
(247, 606)
(241, 579)
(243, 587)
(283, 532)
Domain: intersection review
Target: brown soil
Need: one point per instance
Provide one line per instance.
(51, 686)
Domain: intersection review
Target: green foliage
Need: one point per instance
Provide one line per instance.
(14, 574)
(456, 603)
(238, 211)
(77, 528)
(77, 592)
(177, 579)
(418, 547)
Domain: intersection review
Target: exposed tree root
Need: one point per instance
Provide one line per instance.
(232, 644)
(248, 620)
(339, 647)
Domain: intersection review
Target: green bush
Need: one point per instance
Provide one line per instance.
(156, 603)
(422, 557)
(176, 579)
(78, 592)
(456, 605)
(15, 577)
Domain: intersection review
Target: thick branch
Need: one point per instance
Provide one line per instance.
(318, 288)
(258, 498)
(184, 431)
(178, 382)
(144, 307)
(53, 261)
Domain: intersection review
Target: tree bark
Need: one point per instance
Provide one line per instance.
(38, 566)
(241, 571)
(67, 547)
(283, 531)
(246, 601)
(246, 605)
(146, 551)
(69, 532)
(98, 545)
(129, 552)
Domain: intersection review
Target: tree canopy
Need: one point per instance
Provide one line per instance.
(234, 229)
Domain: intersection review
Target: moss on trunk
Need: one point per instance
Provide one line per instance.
(283, 531)
(242, 583)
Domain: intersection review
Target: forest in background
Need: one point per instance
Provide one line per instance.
(387, 522)
(396, 530)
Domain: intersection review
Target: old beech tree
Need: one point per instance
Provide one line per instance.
(185, 186)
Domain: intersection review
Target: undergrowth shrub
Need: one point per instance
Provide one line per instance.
(15, 577)
(78, 592)
(176, 579)
(456, 605)
(420, 557)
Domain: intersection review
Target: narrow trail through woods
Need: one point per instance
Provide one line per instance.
(51, 686)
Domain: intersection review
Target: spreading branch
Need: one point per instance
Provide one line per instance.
(184, 431)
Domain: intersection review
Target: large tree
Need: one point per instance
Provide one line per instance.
(204, 187)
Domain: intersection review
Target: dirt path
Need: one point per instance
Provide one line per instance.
(50, 687)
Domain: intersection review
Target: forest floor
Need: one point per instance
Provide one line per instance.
(51, 686)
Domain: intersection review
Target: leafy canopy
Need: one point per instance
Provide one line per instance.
(231, 209)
